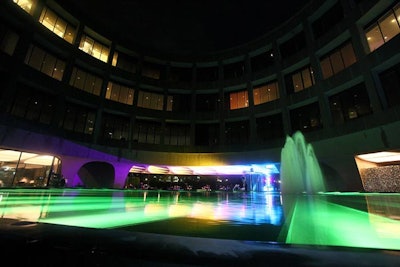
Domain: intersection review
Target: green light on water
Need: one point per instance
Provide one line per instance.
(369, 221)
(319, 222)
(105, 220)
(84, 211)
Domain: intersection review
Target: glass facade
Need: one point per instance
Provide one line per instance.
(94, 48)
(45, 62)
(86, 81)
(239, 100)
(120, 93)
(57, 25)
(27, 5)
(338, 60)
(24, 169)
(266, 93)
(384, 28)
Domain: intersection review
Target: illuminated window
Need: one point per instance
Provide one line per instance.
(265, 93)
(337, 60)
(25, 169)
(150, 100)
(114, 59)
(119, 93)
(86, 81)
(384, 29)
(57, 25)
(94, 48)
(26, 5)
(44, 62)
(239, 100)
(299, 80)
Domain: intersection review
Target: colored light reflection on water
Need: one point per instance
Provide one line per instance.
(329, 219)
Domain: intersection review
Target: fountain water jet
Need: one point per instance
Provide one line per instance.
(300, 170)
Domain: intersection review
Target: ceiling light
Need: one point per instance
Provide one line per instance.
(380, 157)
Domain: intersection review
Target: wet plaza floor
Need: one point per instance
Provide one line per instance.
(218, 222)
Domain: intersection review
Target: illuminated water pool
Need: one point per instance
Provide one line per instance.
(356, 220)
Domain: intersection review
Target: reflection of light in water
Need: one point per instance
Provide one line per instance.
(147, 210)
(152, 209)
(311, 219)
(27, 213)
(179, 210)
(316, 221)
(202, 211)
(384, 215)
(271, 209)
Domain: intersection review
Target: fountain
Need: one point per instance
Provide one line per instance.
(300, 170)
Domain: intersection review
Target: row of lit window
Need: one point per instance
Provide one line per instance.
(94, 48)
(384, 29)
(53, 67)
(48, 64)
(37, 106)
(98, 50)
(26, 4)
(301, 80)
(120, 93)
(336, 61)
(57, 25)
(44, 62)
(347, 104)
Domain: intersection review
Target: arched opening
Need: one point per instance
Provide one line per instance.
(97, 174)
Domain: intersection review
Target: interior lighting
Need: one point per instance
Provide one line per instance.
(157, 169)
(12, 155)
(381, 157)
(40, 160)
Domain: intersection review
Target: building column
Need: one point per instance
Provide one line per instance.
(287, 128)
(221, 108)
(323, 100)
(252, 121)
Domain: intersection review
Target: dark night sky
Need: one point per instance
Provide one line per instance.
(183, 27)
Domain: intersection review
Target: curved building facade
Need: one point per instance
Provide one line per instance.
(106, 110)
